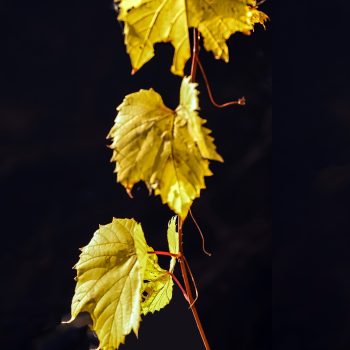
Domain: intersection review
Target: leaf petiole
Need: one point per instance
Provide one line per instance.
(160, 252)
(180, 286)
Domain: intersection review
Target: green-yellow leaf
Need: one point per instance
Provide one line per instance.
(126, 5)
(158, 284)
(173, 241)
(157, 289)
(147, 22)
(168, 150)
(118, 279)
(110, 275)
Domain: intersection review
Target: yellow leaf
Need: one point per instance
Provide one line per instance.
(217, 20)
(125, 5)
(157, 289)
(110, 275)
(158, 285)
(147, 22)
(173, 241)
(168, 150)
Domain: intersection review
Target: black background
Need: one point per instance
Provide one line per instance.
(311, 177)
(64, 70)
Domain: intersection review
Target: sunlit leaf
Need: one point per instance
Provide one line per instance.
(118, 279)
(147, 22)
(110, 275)
(173, 241)
(158, 283)
(157, 289)
(168, 150)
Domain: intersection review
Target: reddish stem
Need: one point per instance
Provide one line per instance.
(195, 52)
(241, 101)
(201, 234)
(159, 252)
(193, 281)
(180, 286)
(188, 288)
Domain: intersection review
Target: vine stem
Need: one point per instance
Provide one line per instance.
(188, 288)
(195, 52)
(181, 258)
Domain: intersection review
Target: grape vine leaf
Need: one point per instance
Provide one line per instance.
(147, 22)
(118, 279)
(173, 241)
(168, 150)
(158, 283)
(109, 280)
(157, 289)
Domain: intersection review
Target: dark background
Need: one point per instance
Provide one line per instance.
(311, 177)
(64, 70)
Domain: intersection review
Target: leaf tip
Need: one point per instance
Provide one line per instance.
(128, 191)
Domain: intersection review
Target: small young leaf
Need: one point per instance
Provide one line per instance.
(110, 274)
(173, 241)
(157, 289)
(147, 22)
(158, 284)
(168, 150)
